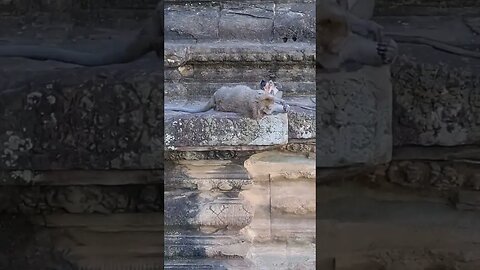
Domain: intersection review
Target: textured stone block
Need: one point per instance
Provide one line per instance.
(192, 21)
(201, 246)
(246, 21)
(354, 117)
(206, 210)
(294, 22)
(281, 165)
(96, 118)
(435, 103)
(440, 175)
(205, 175)
(218, 129)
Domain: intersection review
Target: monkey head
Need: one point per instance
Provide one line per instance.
(265, 104)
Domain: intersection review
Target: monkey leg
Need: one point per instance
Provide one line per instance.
(366, 51)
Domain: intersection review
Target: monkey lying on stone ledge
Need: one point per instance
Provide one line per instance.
(150, 38)
(241, 99)
(247, 102)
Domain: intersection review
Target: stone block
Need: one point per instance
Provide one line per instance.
(284, 198)
(281, 166)
(206, 211)
(80, 177)
(354, 117)
(192, 21)
(95, 118)
(201, 264)
(435, 103)
(294, 22)
(246, 21)
(293, 229)
(213, 130)
(41, 200)
(200, 246)
(206, 175)
(439, 175)
(301, 124)
(240, 53)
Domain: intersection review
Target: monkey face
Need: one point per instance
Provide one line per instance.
(267, 104)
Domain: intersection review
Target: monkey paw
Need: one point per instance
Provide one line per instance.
(286, 107)
(387, 50)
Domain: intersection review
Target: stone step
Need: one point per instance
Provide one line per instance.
(80, 177)
(95, 199)
(199, 69)
(227, 20)
(247, 52)
(194, 245)
(69, 6)
(426, 7)
(208, 264)
(209, 211)
(214, 130)
(283, 256)
(281, 215)
(281, 166)
(206, 175)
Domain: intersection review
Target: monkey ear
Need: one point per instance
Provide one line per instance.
(262, 84)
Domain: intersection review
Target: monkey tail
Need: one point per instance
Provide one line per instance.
(206, 107)
(435, 44)
(124, 55)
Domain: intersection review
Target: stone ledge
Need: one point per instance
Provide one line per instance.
(198, 210)
(254, 20)
(202, 264)
(201, 246)
(178, 54)
(205, 175)
(214, 130)
(281, 166)
(82, 118)
(184, 131)
(80, 177)
(43, 200)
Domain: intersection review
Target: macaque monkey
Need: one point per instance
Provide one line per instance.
(150, 38)
(240, 99)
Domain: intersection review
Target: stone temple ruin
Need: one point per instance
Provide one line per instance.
(91, 180)
(232, 183)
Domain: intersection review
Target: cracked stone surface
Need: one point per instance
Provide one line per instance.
(253, 21)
